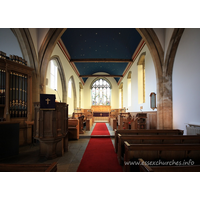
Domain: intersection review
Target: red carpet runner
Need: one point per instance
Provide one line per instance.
(100, 129)
(99, 155)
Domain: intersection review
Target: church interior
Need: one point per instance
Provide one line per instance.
(89, 89)
(134, 81)
(99, 100)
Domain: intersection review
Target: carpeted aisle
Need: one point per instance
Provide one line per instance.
(99, 155)
(100, 129)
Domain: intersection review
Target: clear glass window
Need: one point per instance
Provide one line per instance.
(101, 92)
(53, 75)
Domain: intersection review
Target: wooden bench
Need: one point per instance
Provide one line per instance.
(73, 129)
(123, 120)
(80, 117)
(146, 132)
(81, 125)
(29, 167)
(164, 152)
(113, 123)
(89, 124)
(143, 167)
(153, 139)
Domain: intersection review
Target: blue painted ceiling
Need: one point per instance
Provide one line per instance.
(101, 43)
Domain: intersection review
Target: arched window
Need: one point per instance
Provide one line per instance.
(141, 79)
(80, 94)
(71, 100)
(53, 75)
(70, 88)
(129, 88)
(121, 95)
(55, 79)
(101, 92)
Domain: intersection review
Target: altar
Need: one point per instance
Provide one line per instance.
(101, 113)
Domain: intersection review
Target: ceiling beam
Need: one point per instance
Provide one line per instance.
(97, 60)
(99, 75)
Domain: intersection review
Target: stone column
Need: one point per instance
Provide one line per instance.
(35, 91)
(164, 102)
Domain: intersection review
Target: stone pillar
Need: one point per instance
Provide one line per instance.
(164, 102)
(35, 91)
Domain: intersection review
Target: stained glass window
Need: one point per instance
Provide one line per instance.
(101, 92)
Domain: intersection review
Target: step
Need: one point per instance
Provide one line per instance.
(96, 136)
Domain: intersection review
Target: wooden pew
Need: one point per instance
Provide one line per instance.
(123, 120)
(29, 167)
(81, 121)
(153, 139)
(80, 117)
(89, 124)
(145, 132)
(113, 123)
(143, 167)
(73, 129)
(164, 152)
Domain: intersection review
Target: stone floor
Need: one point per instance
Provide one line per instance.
(69, 162)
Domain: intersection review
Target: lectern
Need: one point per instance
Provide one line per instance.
(51, 129)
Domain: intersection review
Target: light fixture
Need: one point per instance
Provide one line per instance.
(153, 100)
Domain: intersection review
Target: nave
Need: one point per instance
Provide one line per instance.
(69, 162)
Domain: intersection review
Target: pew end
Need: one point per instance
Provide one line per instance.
(143, 166)
(73, 129)
(89, 124)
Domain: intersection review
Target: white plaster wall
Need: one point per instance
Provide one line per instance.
(86, 100)
(34, 36)
(186, 80)
(160, 32)
(150, 80)
(38, 35)
(41, 33)
(9, 43)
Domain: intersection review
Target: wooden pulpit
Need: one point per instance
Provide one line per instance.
(51, 128)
